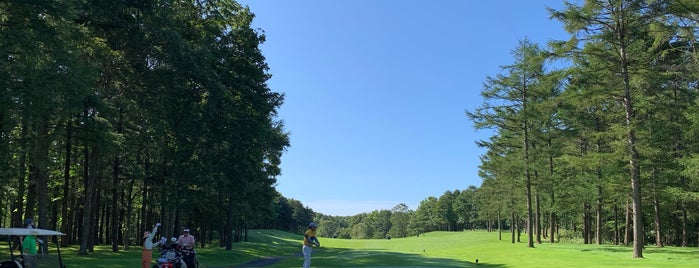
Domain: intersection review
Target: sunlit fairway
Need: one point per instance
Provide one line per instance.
(436, 249)
(461, 249)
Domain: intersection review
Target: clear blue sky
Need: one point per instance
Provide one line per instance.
(376, 92)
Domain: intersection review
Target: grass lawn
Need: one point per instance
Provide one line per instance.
(437, 249)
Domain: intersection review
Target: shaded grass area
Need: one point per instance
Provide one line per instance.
(437, 249)
(261, 244)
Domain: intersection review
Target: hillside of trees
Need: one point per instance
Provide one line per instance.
(117, 114)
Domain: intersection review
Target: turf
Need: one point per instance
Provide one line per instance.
(436, 249)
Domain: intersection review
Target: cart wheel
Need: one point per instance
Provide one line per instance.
(10, 264)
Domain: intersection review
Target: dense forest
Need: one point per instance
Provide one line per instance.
(115, 115)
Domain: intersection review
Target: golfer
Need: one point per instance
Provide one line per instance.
(147, 254)
(29, 246)
(309, 239)
(186, 242)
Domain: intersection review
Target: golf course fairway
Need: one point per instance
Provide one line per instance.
(461, 249)
(276, 249)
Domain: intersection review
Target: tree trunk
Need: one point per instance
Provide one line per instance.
(246, 232)
(116, 190)
(204, 235)
(104, 218)
(38, 172)
(144, 206)
(519, 231)
(627, 231)
(65, 227)
(552, 218)
(616, 224)
(552, 225)
(129, 211)
(87, 208)
(528, 183)
(96, 201)
(228, 232)
(656, 210)
(538, 220)
(586, 224)
(634, 169)
(499, 226)
(115, 206)
(512, 226)
(22, 180)
(598, 220)
(684, 223)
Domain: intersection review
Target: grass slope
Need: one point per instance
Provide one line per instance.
(437, 249)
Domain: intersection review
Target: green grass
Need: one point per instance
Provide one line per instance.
(437, 249)
(461, 249)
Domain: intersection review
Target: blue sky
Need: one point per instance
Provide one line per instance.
(376, 92)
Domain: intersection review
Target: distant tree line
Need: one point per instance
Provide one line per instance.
(453, 211)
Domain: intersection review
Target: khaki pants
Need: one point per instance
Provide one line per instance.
(146, 257)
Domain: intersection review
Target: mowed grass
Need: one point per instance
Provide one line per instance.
(461, 249)
(436, 249)
(261, 243)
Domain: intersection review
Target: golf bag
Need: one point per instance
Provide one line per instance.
(190, 258)
(170, 257)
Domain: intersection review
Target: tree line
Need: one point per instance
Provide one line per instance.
(115, 115)
(599, 132)
(594, 137)
(453, 211)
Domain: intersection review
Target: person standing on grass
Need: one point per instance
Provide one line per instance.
(147, 254)
(309, 240)
(29, 246)
(186, 243)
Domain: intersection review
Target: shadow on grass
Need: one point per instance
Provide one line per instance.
(270, 244)
(691, 251)
(607, 249)
(649, 250)
(341, 257)
(278, 249)
(263, 248)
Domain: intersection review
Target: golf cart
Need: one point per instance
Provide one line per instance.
(44, 258)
